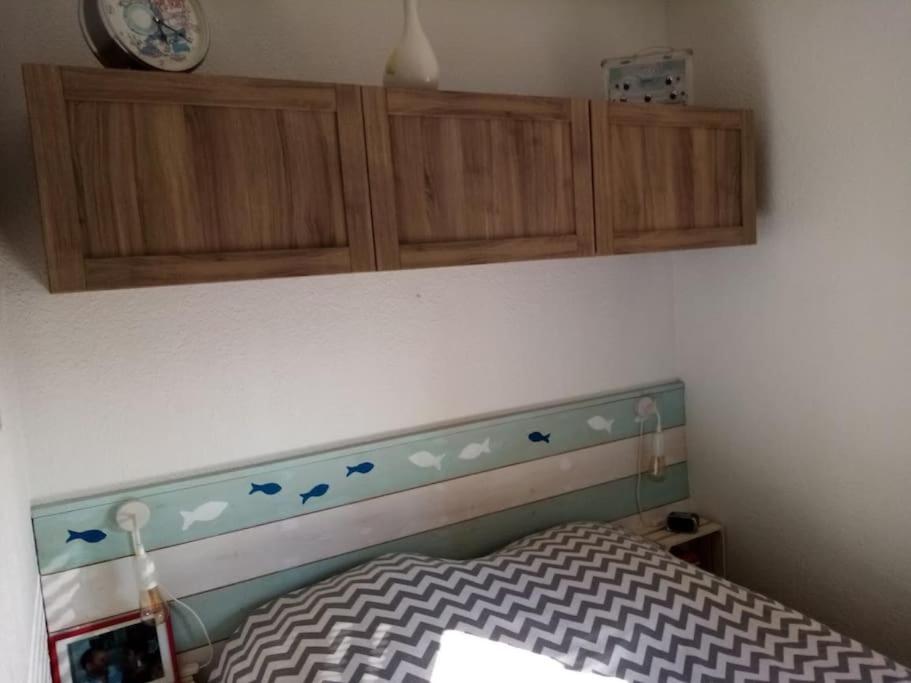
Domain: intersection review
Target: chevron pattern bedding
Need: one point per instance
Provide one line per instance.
(591, 596)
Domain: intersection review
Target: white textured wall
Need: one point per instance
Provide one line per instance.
(124, 386)
(795, 352)
(21, 637)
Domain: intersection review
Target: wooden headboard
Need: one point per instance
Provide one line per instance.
(229, 541)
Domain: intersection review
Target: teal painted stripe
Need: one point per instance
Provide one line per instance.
(223, 609)
(393, 471)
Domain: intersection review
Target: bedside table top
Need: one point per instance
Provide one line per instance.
(669, 539)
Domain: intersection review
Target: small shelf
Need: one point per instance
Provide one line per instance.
(704, 547)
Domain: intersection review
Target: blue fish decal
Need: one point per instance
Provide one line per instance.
(90, 536)
(538, 437)
(363, 468)
(269, 489)
(315, 492)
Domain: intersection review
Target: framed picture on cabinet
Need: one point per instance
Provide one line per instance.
(121, 649)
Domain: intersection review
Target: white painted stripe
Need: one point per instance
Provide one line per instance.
(88, 593)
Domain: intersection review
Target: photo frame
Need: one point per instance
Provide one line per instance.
(125, 649)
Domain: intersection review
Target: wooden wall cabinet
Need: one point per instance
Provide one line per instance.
(153, 179)
(150, 179)
(462, 178)
(672, 177)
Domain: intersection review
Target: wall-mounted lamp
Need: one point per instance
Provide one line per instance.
(656, 462)
(647, 408)
(132, 517)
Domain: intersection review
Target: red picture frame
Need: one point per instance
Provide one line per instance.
(58, 642)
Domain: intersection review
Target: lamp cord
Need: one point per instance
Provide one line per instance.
(639, 472)
(639, 450)
(205, 631)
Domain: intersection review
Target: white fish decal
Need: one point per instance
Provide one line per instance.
(475, 450)
(427, 459)
(206, 512)
(601, 424)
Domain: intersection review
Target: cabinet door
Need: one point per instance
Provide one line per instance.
(153, 179)
(671, 177)
(459, 178)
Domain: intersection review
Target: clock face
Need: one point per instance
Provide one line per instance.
(171, 35)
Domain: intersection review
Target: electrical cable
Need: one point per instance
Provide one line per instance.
(131, 516)
(205, 631)
(639, 471)
(639, 450)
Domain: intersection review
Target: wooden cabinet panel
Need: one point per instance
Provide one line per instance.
(461, 178)
(202, 178)
(672, 177)
(153, 179)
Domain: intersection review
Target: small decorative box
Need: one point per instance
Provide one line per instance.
(660, 76)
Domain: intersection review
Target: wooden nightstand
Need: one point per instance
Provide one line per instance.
(704, 548)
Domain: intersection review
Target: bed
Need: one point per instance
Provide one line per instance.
(578, 602)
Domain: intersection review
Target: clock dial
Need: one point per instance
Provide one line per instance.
(170, 35)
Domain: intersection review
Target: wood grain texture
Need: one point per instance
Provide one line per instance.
(57, 188)
(674, 116)
(170, 197)
(705, 170)
(473, 179)
(355, 184)
(146, 271)
(437, 254)
(382, 178)
(601, 176)
(669, 240)
(447, 104)
(111, 85)
(670, 177)
(238, 180)
(580, 130)
(727, 194)
(104, 154)
(269, 179)
(226, 179)
(142, 165)
(171, 165)
(313, 175)
(748, 176)
(486, 170)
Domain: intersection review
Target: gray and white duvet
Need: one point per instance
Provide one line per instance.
(589, 596)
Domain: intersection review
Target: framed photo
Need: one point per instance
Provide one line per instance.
(122, 649)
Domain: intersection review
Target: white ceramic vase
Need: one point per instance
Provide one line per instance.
(412, 63)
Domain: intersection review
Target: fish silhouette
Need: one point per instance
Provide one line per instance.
(90, 536)
(601, 424)
(206, 512)
(269, 489)
(362, 468)
(427, 459)
(475, 450)
(315, 492)
(538, 437)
